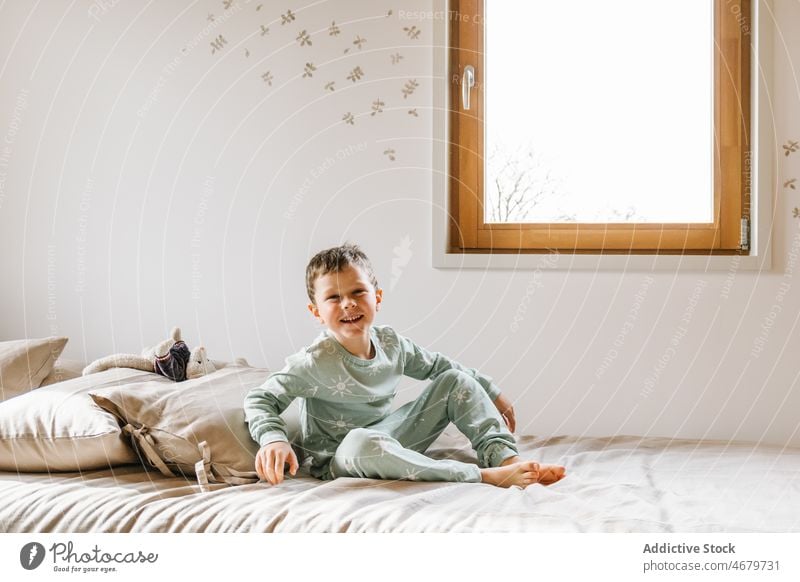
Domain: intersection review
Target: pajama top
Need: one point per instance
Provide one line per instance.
(340, 391)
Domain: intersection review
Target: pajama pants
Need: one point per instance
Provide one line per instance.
(393, 448)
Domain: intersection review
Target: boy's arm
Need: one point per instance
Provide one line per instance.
(421, 364)
(264, 404)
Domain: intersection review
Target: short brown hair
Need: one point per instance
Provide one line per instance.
(335, 260)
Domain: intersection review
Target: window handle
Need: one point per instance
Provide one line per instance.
(467, 83)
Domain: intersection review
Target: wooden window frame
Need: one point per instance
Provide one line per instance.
(469, 233)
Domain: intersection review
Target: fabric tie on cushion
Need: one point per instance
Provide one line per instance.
(206, 471)
(209, 472)
(146, 444)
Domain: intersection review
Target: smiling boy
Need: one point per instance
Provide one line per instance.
(347, 379)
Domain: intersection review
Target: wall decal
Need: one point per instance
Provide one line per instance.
(218, 43)
(789, 148)
(413, 32)
(287, 18)
(391, 39)
(409, 88)
(303, 38)
(355, 74)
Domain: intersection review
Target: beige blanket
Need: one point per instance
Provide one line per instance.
(619, 484)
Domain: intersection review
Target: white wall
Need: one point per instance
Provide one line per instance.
(146, 183)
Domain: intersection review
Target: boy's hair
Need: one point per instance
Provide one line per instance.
(335, 260)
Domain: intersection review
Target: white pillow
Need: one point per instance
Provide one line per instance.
(64, 370)
(59, 428)
(25, 363)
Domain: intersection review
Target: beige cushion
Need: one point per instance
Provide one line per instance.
(25, 363)
(59, 428)
(64, 370)
(194, 428)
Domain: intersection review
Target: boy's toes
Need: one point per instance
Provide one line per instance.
(532, 475)
(531, 466)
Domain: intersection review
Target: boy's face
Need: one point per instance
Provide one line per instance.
(343, 296)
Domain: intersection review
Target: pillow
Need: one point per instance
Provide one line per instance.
(194, 428)
(64, 370)
(25, 363)
(59, 428)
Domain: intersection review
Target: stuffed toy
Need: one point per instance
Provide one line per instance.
(170, 358)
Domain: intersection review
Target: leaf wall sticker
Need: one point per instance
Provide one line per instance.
(218, 43)
(355, 74)
(409, 88)
(413, 32)
(303, 38)
(287, 18)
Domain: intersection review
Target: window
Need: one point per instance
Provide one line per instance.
(588, 127)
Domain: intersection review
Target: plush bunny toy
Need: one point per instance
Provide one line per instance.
(170, 358)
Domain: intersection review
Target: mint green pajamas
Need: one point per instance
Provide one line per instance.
(346, 425)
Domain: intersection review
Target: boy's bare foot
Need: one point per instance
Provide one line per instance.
(548, 474)
(512, 471)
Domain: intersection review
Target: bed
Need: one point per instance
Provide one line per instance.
(614, 484)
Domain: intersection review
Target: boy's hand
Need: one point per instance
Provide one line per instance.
(506, 410)
(271, 458)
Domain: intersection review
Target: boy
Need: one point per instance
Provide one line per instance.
(347, 380)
